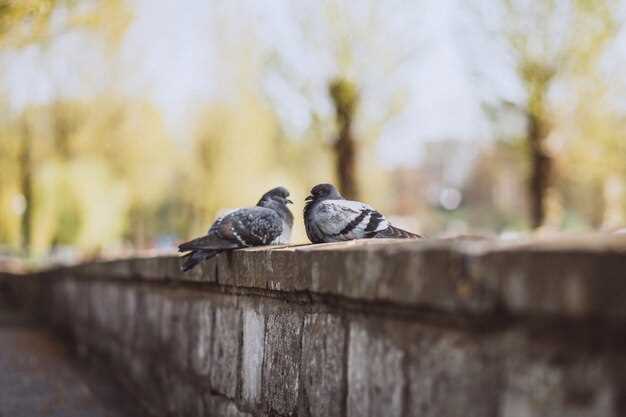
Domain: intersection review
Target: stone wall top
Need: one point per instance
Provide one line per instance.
(574, 278)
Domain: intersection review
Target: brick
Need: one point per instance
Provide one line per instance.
(59, 307)
(281, 364)
(174, 330)
(201, 318)
(551, 381)
(565, 278)
(219, 407)
(81, 302)
(452, 374)
(323, 360)
(225, 356)
(128, 314)
(203, 272)
(98, 303)
(252, 357)
(179, 344)
(148, 320)
(65, 298)
(109, 304)
(165, 320)
(186, 401)
(151, 384)
(150, 268)
(424, 273)
(121, 268)
(166, 380)
(275, 268)
(375, 374)
(231, 410)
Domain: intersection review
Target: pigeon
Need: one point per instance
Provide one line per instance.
(328, 217)
(268, 223)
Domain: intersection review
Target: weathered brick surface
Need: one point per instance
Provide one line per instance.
(226, 346)
(108, 295)
(201, 334)
(479, 277)
(141, 377)
(376, 328)
(252, 357)
(205, 272)
(281, 370)
(558, 280)
(267, 268)
(452, 374)
(175, 330)
(375, 373)
(400, 273)
(148, 326)
(554, 380)
(127, 303)
(323, 359)
(150, 268)
(220, 407)
(186, 401)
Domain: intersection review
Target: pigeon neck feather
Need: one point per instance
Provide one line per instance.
(280, 208)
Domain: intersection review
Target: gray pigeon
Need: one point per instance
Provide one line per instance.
(268, 223)
(328, 217)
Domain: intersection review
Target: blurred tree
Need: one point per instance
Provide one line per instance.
(535, 35)
(593, 154)
(591, 129)
(129, 137)
(24, 22)
(26, 184)
(34, 13)
(99, 172)
(14, 15)
(36, 23)
(347, 100)
(548, 41)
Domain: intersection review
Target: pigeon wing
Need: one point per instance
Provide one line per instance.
(345, 220)
(240, 228)
(255, 226)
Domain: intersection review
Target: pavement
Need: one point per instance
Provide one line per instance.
(39, 376)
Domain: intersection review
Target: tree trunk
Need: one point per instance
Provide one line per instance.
(538, 78)
(613, 193)
(26, 183)
(540, 170)
(345, 100)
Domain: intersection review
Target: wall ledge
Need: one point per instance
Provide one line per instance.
(573, 278)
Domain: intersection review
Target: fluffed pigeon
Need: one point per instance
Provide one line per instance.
(328, 217)
(268, 223)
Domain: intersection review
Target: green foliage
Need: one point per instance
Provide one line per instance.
(345, 95)
(106, 172)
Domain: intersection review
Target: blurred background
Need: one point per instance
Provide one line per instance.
(130, 124)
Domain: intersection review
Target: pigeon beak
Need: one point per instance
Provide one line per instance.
(288, 201)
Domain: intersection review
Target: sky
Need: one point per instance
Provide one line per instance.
(179, 55)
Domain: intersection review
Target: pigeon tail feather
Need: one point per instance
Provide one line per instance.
(393, 232)
(206, 243)
(190, 260)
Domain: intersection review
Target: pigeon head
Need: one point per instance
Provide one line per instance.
(277, 200)
(278, 194)
(323, 191)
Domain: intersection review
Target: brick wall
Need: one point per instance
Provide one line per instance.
(371, 328)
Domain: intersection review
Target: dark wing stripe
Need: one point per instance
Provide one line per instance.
(309, 224)
(394, 232)
(375, 220)
(354, 223)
